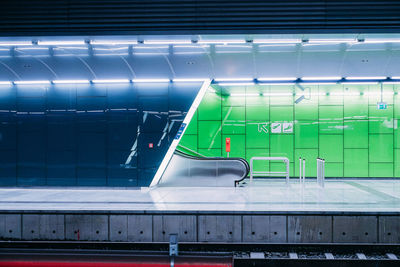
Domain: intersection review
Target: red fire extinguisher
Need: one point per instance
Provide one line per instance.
(228, 145)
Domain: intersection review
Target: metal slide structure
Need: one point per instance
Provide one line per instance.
(193, 169)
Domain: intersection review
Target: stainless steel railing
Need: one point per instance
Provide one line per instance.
(284, 159)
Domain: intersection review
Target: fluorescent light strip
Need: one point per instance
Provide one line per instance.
(70, 81)
(235, 84)
(189, 79)
(167, 42)
(82, 42)
(275, 45)
(16, 43)
(359, 82)
(31, 82)
(391, 82)
(321, 78)
(276, 79)
(116, 42)
(395, 77)
(233, 79)
(5, 83)
(112, 81)
(345, 94)
(277, 94)
(151, 80)
(245, 94)
(32, 48)
(175, 142)
(366, 78)
(380, 41)
(221, 41)
(316, 83)
(332, 41)
(273, 83)
(277, 41)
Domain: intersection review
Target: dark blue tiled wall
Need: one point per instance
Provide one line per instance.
(88, 135)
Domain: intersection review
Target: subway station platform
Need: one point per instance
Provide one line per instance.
(264, 195)
(355, 211)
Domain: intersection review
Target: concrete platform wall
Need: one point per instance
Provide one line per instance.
(202, 228)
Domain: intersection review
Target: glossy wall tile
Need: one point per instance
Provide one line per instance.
(88, 134)
(340, 123)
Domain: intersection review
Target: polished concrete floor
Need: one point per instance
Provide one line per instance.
(263, 195)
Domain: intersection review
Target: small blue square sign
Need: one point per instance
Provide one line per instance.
(381, 105)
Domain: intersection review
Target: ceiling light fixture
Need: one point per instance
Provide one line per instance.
(31, 82)
(324, 78)
(156, 80)
(233, 79)
(277, 41)
(366, 78)
(261, 79)
(70, 81)
(82, 42)
(111, 81)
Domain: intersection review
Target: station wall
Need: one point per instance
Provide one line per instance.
(340, 123)
(88, 134)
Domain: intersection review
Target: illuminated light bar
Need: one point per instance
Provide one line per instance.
(267, 79)
(112, 81)
(331, 41)
(277, 41)
(16, 43)
(32, 48)
(233, 79)
(31, 82)
(235, 84)
(70, 81)
(367, 78)
(274, 83)
(112, 42)
(317, 82)
(162, 80)
(321, 78)
(381, 41)
(221, 41)
(5, 83)
(278, 94)
(157, 42)
(82, 42)
(345, 94)
(391, 82)
(244, 94)
(395, 77)
(359, 82)
(189, 79)
(379, 93)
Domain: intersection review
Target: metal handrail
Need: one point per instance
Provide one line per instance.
(284, 159)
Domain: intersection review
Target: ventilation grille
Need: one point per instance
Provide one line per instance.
(85, 17)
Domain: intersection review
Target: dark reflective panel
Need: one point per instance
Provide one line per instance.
(88, 134)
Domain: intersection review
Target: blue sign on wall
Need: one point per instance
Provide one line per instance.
(180, 131)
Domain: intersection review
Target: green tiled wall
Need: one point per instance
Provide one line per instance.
(340, 123)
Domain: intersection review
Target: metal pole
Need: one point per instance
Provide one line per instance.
(287, 172)
(304, 170)
(251, 170)
(300, 170)
(323, 173)
(318, 170)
